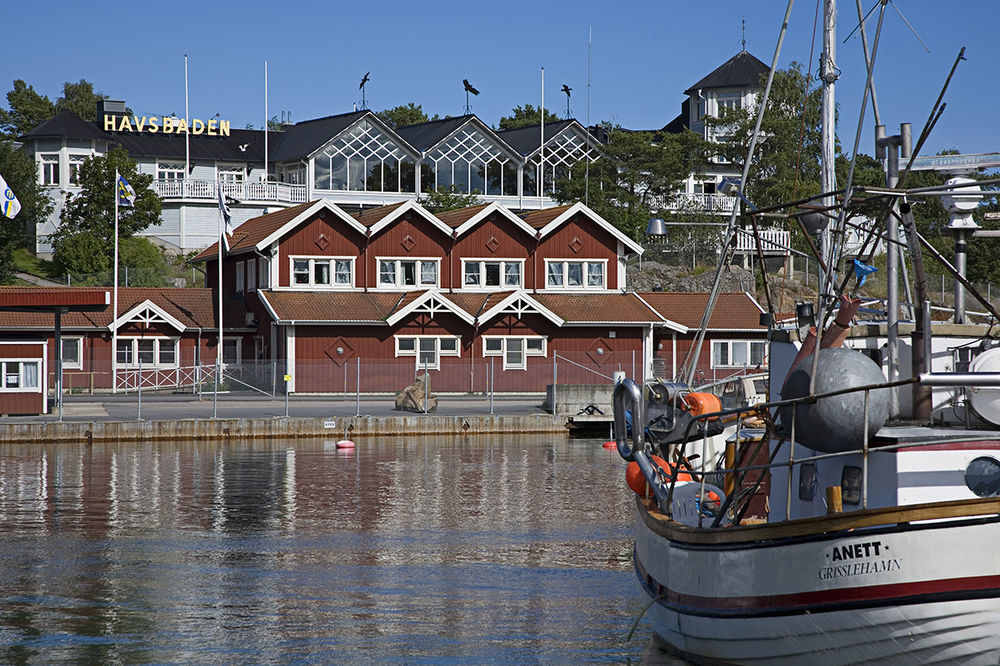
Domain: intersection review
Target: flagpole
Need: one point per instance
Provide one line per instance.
(218, 351)
(114, 306)
(541, 154)
(187, 123)
(265, 122)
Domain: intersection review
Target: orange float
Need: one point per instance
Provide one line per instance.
(609, 445)
(699, 403)
(637, 482)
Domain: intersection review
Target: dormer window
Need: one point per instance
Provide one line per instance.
(574, 275)
(408, 273)
(485, 273)
(330, 272)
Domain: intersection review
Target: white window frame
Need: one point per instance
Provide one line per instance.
(232, 173)
(133, 361)
(21, 376)
(48, 169)
(398, 273)
(505, 350)
(503, 273)
(75, 165)
(311, 263)
(170, 171)
(73, 365)
(251, 276)
(241, 272)
(747, 345)
(438, 351)
(584, 276)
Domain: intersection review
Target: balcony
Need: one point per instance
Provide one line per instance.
(772, 241)
(187, 189)
(716, 204)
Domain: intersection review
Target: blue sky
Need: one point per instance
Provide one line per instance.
(644, 55)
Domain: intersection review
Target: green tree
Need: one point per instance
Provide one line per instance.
(80, 98)
(27, 110)
(145, 262)
(20, 173)
(84, 242)
(637, 175)
(404, 116)
(448, 198)
(524, 116)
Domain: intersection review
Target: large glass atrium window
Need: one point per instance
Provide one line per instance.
(561, 154)
(472, 163)
(363, 159)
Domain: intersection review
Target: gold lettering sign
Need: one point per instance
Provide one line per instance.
(165, 124)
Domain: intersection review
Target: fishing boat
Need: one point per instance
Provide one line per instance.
(856, 519)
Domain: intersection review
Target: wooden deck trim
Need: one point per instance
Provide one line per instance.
(801, 527)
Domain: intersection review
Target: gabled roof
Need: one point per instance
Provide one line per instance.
(734, 311)
(609, 308)
(259, 232)
(520, 302)
(190, 308)
(430, 301)
(526, 140)
(741, 71)
(370, 307)
(149, 312)
(426, 136)
(302, 140)
(65, 124)
(681, 122)
(548, 220)
(377, 219)
(466, 219)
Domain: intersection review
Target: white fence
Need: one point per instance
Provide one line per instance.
(242, 191)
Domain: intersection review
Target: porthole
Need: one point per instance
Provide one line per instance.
(982, 476)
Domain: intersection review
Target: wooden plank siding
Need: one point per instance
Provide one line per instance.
(579, 238)
(322, 236)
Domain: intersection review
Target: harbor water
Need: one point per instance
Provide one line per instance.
(424, 550)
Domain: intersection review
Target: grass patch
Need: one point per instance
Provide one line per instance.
(26, 262)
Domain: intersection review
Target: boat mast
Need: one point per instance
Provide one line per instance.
(828, 176)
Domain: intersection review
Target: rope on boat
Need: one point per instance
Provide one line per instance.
(635, 624)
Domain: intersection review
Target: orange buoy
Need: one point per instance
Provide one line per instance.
(345, 444)
(699, 403)
(609, 445)
(637, 482)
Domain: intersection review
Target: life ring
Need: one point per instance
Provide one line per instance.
(637, 482)
(345, 444)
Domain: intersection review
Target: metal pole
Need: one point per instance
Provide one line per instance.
(357, 400)
(492, 381)
(274, 379)
(427, 384)
(59, 362)
(138, 408)
(828, 179)
(892, 281)
(864, 459)
(286, 397)
(961, 252)
(555, 380)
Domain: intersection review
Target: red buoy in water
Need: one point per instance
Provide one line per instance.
(609, 445)
(345, 444)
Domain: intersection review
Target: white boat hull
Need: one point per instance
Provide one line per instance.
(920, 593)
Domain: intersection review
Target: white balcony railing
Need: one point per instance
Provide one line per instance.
(697, 203)
(244, 191)
(772, 241)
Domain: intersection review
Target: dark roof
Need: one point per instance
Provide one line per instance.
(740, 71)
(303, 139)
(680, 123)
(426, 135)
(65, 124)
(526, 140)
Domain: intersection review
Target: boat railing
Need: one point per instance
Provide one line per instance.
(629, 394)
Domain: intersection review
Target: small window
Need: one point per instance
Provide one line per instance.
(514, 358)
(147, 351)
(251, 276)
(264, 275)
(12, 374)
(982, 476)
(808, 482)
(512, 274)
(75, 165)
(850, 485)
(535, 346)
(124, 353)
(428, 353)
(471, 274)
(493, 346)
(574, 274)
(428, 273)
(342, 272)
(300, 271)
(492, 274)
(321, 272)
(408, 273)
(595, 275)
(555, 275)
(167, 354)
(406, 344)
(240, 276)
(449, 345)
(50, 169)
(231, 348)
(387, 273)
(71, 353)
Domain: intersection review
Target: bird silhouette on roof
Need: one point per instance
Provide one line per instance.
(364, 81)
(468, 87)
(566, 89)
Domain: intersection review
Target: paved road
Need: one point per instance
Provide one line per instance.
(162, 407)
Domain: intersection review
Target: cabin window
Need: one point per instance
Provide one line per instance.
(170, 170)
(428, 349)
(151, 352)
(72, 353)
(49, 170)
(575, 274)
(405, 273)
(982, 476)
(808, 482)
(850, 485)
(323, 272)
(19, 375)
(479, 273)
(514, 349)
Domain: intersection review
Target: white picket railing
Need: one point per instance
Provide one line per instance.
(241, 191)
(152, 378)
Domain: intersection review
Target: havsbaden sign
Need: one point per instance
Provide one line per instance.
(165, 125)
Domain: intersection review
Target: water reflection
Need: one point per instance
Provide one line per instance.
(482, 549)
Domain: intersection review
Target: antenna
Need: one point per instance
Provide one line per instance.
(743, 33)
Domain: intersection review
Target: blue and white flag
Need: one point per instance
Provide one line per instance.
(9, 205)
(227, 216)
(126, 193)
(862, 271)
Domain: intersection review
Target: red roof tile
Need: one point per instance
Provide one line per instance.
(373, 215)
(456, 218)
(353, 306)
(539, 218)
(255, 230)
(733, 310)
(601, 307)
